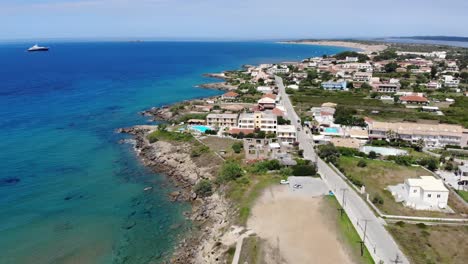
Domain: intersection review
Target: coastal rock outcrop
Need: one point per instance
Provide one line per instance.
(210, 214)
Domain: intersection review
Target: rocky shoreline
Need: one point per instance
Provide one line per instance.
(223, 86)
(210, 214)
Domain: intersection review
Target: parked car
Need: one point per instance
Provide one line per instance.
(284, 182)
(297, 186)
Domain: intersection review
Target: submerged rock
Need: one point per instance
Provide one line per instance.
(9, 181)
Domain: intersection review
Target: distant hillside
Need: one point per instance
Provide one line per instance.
(443, 38)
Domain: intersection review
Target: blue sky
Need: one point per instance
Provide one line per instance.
(228, 19)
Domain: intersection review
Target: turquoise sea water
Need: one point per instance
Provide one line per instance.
(69, 192)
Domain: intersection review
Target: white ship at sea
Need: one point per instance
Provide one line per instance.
(38, 48)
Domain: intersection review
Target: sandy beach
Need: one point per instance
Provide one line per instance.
(299, 226)
(366, 48)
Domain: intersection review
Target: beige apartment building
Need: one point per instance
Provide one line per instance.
(262, 120)
(433, 135)
(221, 120)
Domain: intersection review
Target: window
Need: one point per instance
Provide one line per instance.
(438, 196)
(415, 190)
(429, 195)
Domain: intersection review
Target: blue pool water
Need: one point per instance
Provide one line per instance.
(331, 130)
(201, 128)
(69, 192)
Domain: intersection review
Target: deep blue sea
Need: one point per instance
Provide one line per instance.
(69, 192)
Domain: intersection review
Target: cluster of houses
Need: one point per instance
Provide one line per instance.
(234, 118)
(349, 71)
(433, 135)
(262, 117)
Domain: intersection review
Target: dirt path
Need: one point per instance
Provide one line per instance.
(297, 225)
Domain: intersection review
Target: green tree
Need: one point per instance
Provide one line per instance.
(237, 147)
(391, 67)
(362, 163)
(329, 153)
(203, 188)
(433, 72)
(230, 171)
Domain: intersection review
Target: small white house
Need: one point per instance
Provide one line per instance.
(264, 89)
(425, 193)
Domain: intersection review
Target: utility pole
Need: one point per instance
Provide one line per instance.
(344, 190)
(364, 236)
(365, 228)
(396, 260)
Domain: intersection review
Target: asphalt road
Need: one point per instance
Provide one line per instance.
(379, 242)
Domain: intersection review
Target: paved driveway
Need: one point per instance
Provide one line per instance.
(310, 186)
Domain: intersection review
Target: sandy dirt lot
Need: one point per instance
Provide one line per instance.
(298, 226)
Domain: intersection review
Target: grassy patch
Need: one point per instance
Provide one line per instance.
(169, 136)
(377, 176)
(463, 194)
(218, 145)
(244, 191)
(348, 232)
(432, 244)
(251, 251)
(360, 101)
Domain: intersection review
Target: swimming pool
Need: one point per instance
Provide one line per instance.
(384, 151)
(333, 130)
(201, 128)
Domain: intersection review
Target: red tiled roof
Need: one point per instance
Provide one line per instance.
(243, 130)
(277, 112)
(413, 98)
(231, 94)
(272, 96)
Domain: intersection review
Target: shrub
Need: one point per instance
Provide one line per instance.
(372, 155)
(286, 171)
(199, 150)
(421, 225)
(377, 199)
(329, 153)
(362, 163)
(400, 223)
(300, 153)
(348, 151)
(152, 138)
(355, 181)
(211, 132)
(429, 163)
(304, 170)
(230, 171)
(264, 166)
(203, 188)
(237, 147)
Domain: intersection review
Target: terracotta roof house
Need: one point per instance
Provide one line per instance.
(413, 99)
(266, 103)
(230, 96)
(269, 95)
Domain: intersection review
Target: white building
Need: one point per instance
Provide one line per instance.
(362, 76)
(283, 69)
(352, 59)
(425, 193)
(264, 121)
(286, 134)
(293, 86)
(221, 120)
(357, 66)
(450, 81)
(264, 89)
(434, 54)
